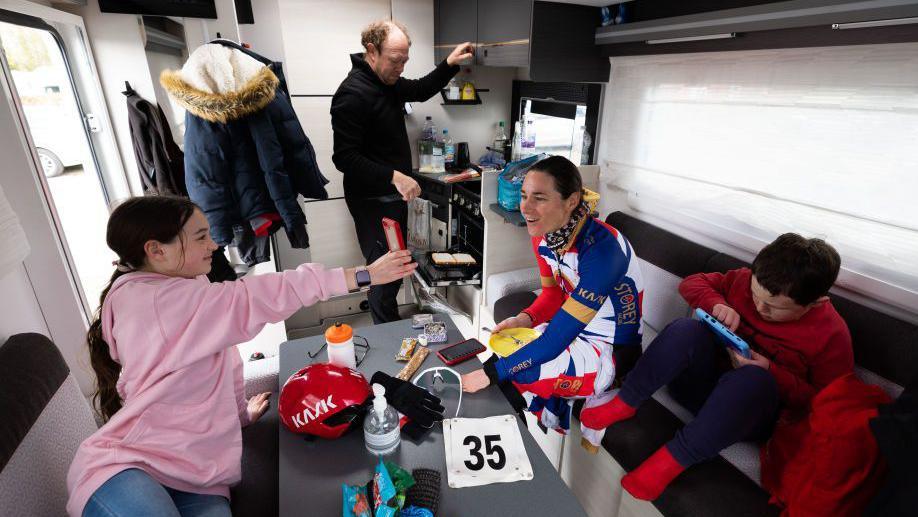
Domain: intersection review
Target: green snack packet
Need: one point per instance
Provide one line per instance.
(401, 479)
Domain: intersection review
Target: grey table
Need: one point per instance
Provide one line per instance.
(311, 472)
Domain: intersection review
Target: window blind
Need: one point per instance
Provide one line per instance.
(818, 141)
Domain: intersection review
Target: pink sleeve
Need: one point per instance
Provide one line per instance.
(198, 318)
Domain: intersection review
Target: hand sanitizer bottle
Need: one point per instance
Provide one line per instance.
(380, 427)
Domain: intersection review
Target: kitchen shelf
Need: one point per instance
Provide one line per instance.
(514, 218)
(449, 102)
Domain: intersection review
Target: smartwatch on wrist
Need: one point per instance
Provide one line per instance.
(362, 276)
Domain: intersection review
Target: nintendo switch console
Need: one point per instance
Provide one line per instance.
(726, 337)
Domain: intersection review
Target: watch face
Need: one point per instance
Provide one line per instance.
(363, 278)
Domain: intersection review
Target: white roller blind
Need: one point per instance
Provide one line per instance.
(13, 244)
(822, 142)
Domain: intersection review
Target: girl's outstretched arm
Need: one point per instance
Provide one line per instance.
(198, 318)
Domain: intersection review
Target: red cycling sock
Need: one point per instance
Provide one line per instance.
(649, 480)
(601, 417)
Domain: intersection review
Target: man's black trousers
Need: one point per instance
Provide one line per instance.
(368, 216)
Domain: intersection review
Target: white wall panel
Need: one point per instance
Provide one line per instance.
(264, 35)
(315, 118)
(20, 310)
(319, 35)
(332, 238)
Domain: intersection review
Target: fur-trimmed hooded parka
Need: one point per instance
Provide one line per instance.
(246, 155)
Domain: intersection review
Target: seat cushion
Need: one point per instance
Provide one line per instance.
(743, 455)
(501, 284)
(712, 488)
(44, 419)
(512, 304)
(667, 250)
(257, 493)
(883, 344)
(32, 370)
(261, 375)
(661, 303)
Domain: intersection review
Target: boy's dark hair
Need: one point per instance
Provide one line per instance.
(801, 269)
(564, 172)
(131, 225)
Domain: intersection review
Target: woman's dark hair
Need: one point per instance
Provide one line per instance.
(799, 268)
(564, 172)
(131, 225)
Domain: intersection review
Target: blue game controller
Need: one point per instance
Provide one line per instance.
(724, 334)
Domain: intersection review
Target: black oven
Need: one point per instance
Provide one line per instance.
(469, 230)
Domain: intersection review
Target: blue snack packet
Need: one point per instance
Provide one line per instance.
(383, 492)
(354, 501)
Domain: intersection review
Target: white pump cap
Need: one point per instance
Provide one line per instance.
(379, 399)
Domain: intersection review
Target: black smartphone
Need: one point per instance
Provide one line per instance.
(463, 351)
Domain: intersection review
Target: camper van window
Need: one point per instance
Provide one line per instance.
(558, 126)
(821, 144)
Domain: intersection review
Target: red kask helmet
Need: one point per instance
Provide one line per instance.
(323, 400)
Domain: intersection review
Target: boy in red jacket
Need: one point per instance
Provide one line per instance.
(799, 345)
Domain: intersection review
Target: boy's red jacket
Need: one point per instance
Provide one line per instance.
(806, 355)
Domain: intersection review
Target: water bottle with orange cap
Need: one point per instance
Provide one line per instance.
(340, 340)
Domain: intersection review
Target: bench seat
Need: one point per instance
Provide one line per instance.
(885, 351)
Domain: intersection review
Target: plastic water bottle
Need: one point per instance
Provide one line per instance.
(516, 146)
(452, 90)
(529, 140)
(429, 131)
(449, 150)
(500, 139)
(340, 342)
(380, 427)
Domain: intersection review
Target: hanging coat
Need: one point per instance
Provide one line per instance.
(246, 155)
(159, 159)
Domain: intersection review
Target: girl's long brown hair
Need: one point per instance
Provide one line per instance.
(131, 225)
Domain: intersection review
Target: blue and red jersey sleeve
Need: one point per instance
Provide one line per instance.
(551, 297)
(601, 266)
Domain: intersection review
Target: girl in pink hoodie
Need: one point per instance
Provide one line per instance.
(169, 381)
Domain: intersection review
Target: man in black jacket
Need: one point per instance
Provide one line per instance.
(371, 143)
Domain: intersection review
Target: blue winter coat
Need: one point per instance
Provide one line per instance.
(246, 154)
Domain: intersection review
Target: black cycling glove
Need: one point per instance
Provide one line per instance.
(419, 405)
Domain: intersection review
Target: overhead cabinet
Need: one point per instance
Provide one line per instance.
(504, 32)
(555, 41)
(795, 23)
(455, 22)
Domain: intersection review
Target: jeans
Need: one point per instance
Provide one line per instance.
(134, 493)
(730, 405)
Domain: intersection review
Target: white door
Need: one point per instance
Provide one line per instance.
(58, 100)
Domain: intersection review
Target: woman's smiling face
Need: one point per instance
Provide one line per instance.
(542, 205)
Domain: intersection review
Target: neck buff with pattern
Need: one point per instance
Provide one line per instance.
(560, 238)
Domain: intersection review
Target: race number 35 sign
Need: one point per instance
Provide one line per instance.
(481, 451)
